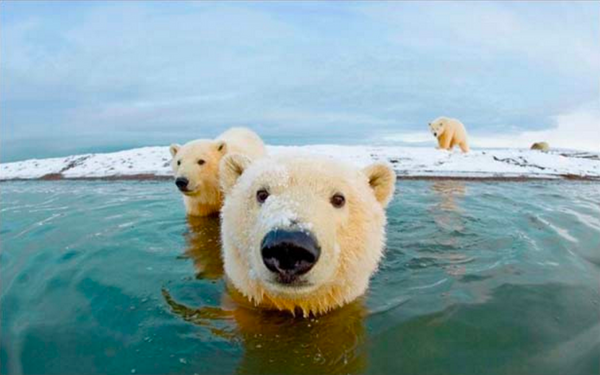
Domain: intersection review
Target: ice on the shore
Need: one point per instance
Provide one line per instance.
(407, 161)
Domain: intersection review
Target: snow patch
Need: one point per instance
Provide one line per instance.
(277, 213)
(407, 161)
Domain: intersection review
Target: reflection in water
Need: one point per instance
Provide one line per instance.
(273, 341)
(447, 216)
(447, 213)
(448, 191)
(204, 246)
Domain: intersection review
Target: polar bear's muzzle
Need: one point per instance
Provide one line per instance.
(289, 254)
(182, 184)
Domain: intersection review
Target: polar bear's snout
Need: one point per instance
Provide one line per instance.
(182, 183)
(289, 254)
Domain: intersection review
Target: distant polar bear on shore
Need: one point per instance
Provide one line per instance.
(196, 167)
(449, 133)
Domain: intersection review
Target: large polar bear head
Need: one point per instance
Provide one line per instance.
(196, 168)
(302, 233)
(438, 126)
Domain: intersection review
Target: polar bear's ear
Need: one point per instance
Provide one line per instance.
(222, 147)
(174, 149)
(231, 168)
(382, 180)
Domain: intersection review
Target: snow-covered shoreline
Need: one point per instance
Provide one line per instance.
(409, 162)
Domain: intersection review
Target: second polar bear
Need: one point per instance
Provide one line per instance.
(196, 167)
(449, 133)
(302, 233)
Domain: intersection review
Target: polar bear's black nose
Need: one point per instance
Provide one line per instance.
(289, 253)
(435, 134)
(182, 183)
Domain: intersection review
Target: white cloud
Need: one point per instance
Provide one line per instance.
(579, 130)
(341, 68)
(496, 29)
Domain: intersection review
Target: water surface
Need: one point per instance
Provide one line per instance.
(110, 277)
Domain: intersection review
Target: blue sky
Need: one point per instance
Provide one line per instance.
(101, 76)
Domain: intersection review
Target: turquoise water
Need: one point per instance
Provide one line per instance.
(478, 277)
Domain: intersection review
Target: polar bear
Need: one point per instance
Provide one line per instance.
(302, 234)
(541, 146)
(260, 332)
(196, 167)
(449, 133)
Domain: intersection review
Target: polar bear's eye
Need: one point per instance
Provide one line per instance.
(178, 162)
(338, 200)
(262, 195)
(201, 161)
